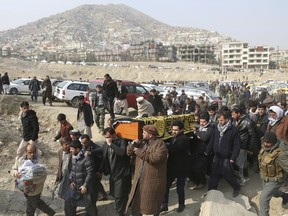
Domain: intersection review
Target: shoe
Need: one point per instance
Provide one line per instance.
(103, 198)
(242, 183)
(198, 187)
(180, 208)
(236, 192)
(163, 208)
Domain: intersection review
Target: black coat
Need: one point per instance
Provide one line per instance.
(119, 166)
(247, 132)
(96, 153)
(34, 85)
(5, 80)
(204, 135)
(178, 156)
(82, 171)
(88, 115)
(228, 147)
(30, 126)
(157, 103)
(122, 93)
(110, 88)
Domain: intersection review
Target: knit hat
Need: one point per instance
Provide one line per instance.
(61, 117)
(270, 137)
(75, 132)
(151, 129)
(75, 144)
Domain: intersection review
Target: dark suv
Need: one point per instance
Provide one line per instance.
(134, 90)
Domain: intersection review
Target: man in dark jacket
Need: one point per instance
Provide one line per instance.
(116, 163)
(96, 152)
(30, 127)
(121, 103)
(110, 87)
(81, 178)
(177, 164)
(34, 87)
(46, 90)
(225, 144)
(5, 82)
(247, 132)
(200, 162)
(156, 102)
(84, 117)
(189, 106)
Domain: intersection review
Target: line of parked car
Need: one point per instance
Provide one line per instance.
(69, 90)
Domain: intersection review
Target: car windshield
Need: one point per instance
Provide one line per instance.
(62, 84)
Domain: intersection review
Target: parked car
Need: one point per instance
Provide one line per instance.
(21, 86)
(68, 91)
(148, 87)
(134, 90)
(54, 83)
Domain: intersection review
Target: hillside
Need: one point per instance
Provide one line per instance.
(98, 27)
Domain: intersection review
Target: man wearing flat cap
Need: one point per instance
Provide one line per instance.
(151, 160)
(273, 163)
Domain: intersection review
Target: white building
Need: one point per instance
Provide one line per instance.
(240, 55)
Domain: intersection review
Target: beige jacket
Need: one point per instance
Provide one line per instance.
(38, 181)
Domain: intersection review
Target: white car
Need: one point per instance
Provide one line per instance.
(68, 91)
(21, 86)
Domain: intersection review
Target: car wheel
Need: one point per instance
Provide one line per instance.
(75, 102)
(14, 91)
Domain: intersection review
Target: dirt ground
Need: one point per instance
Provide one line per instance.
(13, 201)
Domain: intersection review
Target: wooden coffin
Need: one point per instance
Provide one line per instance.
(131, 129)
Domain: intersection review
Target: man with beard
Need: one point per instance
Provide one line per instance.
(273, 164)
(84, 117)
(64, 167)
(30, 127)
(225, 144)
(46, 90)
(278, 123)
(82, 179)
(178, 155)
(116, 163)
(200, 161)
(247, 132)
(110, 87)
(150, 176)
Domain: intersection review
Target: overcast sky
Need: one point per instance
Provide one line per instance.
(258, 22)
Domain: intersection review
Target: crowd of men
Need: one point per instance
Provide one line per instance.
(225, 142)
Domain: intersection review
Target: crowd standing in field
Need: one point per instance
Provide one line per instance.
(248, 131)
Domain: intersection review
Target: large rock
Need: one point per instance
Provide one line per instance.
(216, 204)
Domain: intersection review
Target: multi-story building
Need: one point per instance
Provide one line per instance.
(258, 57)
(279, 57)
(240, 55)
(196, 53)
(235, 55)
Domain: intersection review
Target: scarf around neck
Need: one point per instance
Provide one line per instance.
(223, 128)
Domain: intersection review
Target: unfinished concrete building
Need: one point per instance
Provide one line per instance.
(196, 53)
